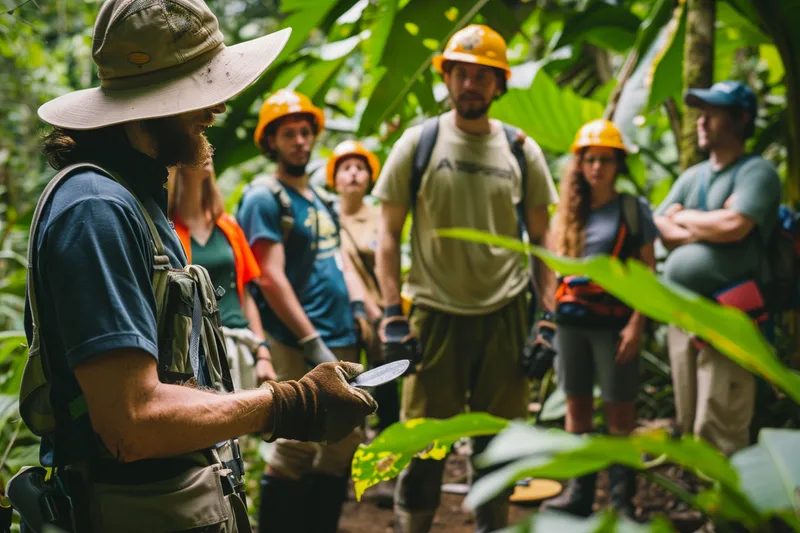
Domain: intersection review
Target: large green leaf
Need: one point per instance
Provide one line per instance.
(303, 17)
(547, 113)
(730, 330)
(666, 74)
(527, 451)
(607, 522)
(379, 18)
(770, 471)
(607, 26)
(392, 450)
(420, 28)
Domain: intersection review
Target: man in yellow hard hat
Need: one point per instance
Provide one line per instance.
(469, 322)
(310, 302)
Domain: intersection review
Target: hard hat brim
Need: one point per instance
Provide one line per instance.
(438, 61)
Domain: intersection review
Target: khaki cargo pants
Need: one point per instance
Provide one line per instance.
(294, 459)
(714, 397)
(468, 361)
(193, 501)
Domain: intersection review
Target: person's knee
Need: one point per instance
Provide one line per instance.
(335, 459)
(419, 485)
(579, 413)
(621, 417)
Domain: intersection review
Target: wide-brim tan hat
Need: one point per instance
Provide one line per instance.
(159, 58)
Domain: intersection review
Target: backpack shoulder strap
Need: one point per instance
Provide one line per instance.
(274, 186)
(630, 213)
(422, 156)
(516, 140)
(329, 202)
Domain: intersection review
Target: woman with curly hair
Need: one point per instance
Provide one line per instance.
(598, 336)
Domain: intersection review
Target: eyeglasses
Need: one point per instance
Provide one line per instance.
(603, 160)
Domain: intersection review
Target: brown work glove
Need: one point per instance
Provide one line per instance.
(321, 406)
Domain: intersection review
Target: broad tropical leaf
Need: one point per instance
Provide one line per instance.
(548, 114)
(549, 521)
(603, 25)
(392, 450)
(731, 331)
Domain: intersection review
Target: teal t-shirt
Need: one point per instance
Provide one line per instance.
(217, 257)
(313, 264)
(706, 267)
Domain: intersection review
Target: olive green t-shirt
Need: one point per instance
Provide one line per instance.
(706, 267)
(217, 257)
(471, 181)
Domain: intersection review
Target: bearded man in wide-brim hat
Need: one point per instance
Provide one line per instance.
(138, 450)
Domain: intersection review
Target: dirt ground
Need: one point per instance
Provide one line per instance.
(651, 500)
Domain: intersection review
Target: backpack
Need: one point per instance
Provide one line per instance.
(186, 312)
(285, 202)
(424, 151)
(782, 253)
(582, 302)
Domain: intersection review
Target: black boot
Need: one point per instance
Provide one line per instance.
(622, 489)
(577, 498)
(283, 505)
(328, 493)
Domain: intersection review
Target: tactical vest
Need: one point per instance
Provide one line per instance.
(187, 319)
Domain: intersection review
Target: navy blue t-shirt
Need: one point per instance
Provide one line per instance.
(313, 264)
(93, 267)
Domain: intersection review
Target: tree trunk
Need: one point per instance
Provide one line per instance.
(698, 70)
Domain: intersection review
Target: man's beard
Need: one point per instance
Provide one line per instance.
(471, 113)
(176, 144)
(292, 170)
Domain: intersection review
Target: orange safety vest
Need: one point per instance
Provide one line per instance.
(244, 261)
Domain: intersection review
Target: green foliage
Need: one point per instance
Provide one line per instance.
(547, 113)
(393, 449)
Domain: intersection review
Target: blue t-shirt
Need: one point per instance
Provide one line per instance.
(313, 264)
(93, 266)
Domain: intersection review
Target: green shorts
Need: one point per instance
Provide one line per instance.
(468, 361)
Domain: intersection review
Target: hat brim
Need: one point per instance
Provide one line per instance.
(702, 97)
(224, 76)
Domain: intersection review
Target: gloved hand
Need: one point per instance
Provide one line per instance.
(321, 406)
(538, 353)
(362, 324)
(315, 352)
(398, 342)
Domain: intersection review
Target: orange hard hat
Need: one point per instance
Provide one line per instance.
(600, 132)
(477, 44)
(283, 103)
(348, 148)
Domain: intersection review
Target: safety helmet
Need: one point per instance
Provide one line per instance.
(600, 132)
(283, 103)
(348, 148)
(477, 44)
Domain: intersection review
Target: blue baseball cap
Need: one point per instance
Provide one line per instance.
(725, 93)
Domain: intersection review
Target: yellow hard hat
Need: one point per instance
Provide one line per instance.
(600, 132)
(477, 44)
(348, 148)
(283, 103)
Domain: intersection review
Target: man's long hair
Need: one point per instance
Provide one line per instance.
(569, 222)
(63, 147)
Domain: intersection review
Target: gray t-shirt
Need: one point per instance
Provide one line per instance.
(706, 267)
(602, 226)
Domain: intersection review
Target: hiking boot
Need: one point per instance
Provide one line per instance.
(283, 505)
(577, 497)
(622, 489)
(328, 494)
